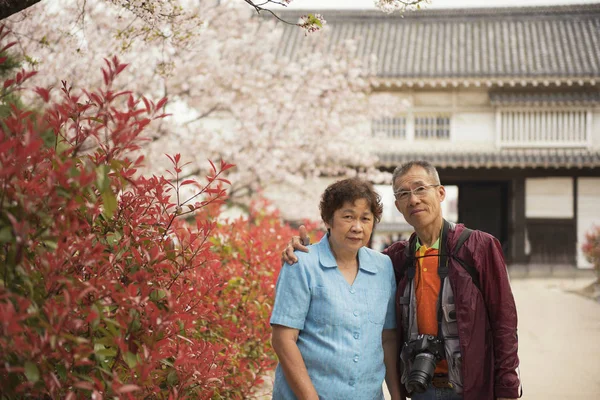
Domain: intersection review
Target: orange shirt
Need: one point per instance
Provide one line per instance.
(427, 291)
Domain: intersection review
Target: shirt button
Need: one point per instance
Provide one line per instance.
(355, 359)
(355, 313)
(425, 269)
(356, 335)
(352, 290)
(352, 383)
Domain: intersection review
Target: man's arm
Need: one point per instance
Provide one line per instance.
(502, 311)
(390, 354)
(296, 243)
(284, 343)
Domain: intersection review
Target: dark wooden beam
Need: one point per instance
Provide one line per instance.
(518, 221)
(10, 7)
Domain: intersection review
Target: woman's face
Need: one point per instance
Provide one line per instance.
(351, 226)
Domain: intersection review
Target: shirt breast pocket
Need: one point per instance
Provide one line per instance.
(327, 306)
(377, 301)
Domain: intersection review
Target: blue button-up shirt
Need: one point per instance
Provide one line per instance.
(340, 324)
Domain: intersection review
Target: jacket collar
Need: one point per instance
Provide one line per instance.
(327, 260)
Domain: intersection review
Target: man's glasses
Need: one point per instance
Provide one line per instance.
(420, 192)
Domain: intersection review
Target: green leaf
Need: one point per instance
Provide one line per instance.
(113, 238)
(61, 370)
(31, 372)
(6, 235)
(110, 203)
(130, 359)
(172, 378)
(49, 138)
(313, 20)
(157, 294)
(102, 179)
(110, 352)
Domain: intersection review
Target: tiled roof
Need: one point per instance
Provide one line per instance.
(544, 158)
(486, 43)
(571, 98)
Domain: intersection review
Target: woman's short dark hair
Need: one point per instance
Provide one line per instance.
(349, 190)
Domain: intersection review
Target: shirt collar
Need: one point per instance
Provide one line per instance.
(436, 245)
(327, 259)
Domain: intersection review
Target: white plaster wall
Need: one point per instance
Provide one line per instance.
(433, 99)
(549, 197)
(596, 129)
(588, 213)
(474, 129)
(473, 98)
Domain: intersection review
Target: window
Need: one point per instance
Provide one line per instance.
(544, 128)
(432, 127)
(389, 127)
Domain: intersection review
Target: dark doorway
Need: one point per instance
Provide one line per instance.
(484, 206)
(552, 241)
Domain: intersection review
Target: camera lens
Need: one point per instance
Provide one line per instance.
(421, 373)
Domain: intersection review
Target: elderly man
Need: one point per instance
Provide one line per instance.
(456, 315)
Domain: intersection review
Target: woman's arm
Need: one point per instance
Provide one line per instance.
(284, 343)
(390, 354)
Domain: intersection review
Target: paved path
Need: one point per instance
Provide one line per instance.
(559, 340)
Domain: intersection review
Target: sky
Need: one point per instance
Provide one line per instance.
(368, 4)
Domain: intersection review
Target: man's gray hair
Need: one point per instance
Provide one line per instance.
(426, 165)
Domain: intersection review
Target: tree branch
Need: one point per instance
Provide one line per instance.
(10, 7)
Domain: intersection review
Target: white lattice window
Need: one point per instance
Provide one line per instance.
(544, 128)
(435, 126)
(389, 127)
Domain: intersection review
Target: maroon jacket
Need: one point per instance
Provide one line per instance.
(487, 319)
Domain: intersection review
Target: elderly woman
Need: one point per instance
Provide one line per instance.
(333, 319)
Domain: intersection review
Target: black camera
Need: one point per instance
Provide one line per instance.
(425, 352)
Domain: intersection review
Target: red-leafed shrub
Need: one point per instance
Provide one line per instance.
(110, 284)
(250, 264)
(591, 248)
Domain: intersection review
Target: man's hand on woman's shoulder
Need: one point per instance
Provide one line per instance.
(296, 243)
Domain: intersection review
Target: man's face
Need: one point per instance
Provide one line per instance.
(421, 207)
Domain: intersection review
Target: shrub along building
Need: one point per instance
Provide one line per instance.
(504, 101)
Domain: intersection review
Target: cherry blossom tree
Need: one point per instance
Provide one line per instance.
(231, 96)
(165, 9)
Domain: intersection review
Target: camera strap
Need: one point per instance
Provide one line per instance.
(443, 273)
(443, 258)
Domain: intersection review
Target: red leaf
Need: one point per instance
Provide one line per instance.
(8, 46)
(120, 67)
(187, 182)
(225, 166)
(161, 103)
(105, 75)
(43, 93)
(213, 166)
(147, 104)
